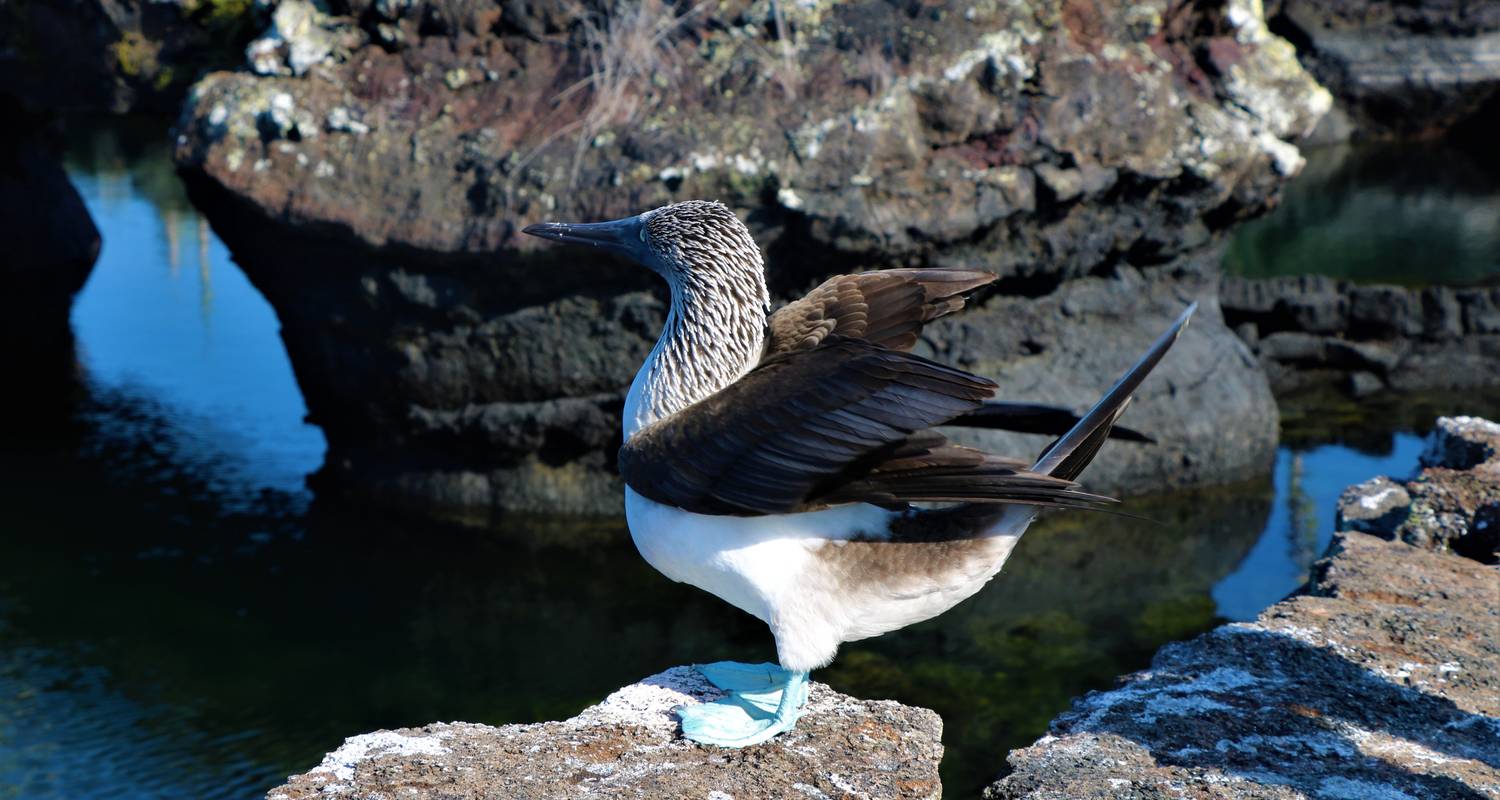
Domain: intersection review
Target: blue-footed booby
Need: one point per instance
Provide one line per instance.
(786, 463)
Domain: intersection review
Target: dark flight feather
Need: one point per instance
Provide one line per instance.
(927, 468)
(1035, 418)
(1067, 456)
(764, 444)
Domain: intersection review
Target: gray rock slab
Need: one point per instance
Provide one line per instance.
(1398, 69)
(1312, 331)
(1208, 404)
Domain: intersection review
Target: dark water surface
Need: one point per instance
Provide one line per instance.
(180, 619)
(1412, 214)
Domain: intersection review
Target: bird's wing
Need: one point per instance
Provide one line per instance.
(833, 424)
(888, 308)
(927, 468)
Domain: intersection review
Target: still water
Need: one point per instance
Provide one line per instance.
(1411, 214)
(179, 618)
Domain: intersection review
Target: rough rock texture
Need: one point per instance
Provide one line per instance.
(50, 247)
(371, 174)
(1312, 330)
(1397, 68)
(1453, 505)
(1382, 680)
(628, 746)
(117, 55)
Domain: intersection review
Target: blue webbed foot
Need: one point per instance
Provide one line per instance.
(763, 700)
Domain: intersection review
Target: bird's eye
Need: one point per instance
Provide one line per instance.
(643, 233)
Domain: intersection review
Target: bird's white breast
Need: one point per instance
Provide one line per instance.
(753, 563)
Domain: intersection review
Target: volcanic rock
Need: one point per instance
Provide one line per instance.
(1310, 330)
(629, 746)
(50, 247)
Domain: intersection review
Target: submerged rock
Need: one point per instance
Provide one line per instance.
(628, 746)
(374, 190)
(1382, 679)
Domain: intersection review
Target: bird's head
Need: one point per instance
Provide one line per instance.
(695, 245)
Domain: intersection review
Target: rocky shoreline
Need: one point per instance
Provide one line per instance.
(370, 165)
(1380, 679)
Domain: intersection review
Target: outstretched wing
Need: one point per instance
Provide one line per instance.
(888, 308)
(832, 424)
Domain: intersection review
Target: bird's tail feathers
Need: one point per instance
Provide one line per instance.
(1067, 457)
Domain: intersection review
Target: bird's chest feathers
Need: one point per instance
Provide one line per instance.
(750, 562)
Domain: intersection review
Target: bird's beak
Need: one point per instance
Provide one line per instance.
(622, 236)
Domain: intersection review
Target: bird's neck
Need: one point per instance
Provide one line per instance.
(710, 339)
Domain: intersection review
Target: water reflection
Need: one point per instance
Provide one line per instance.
(1412, 214)
(226, 635)
(167, 316)
(179, 618)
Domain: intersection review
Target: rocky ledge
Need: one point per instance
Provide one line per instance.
(1381, 680)
(628, 746)
(373, 165)
(1310, 331)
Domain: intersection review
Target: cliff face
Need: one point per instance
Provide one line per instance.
(372, 170)
(1382, 679)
